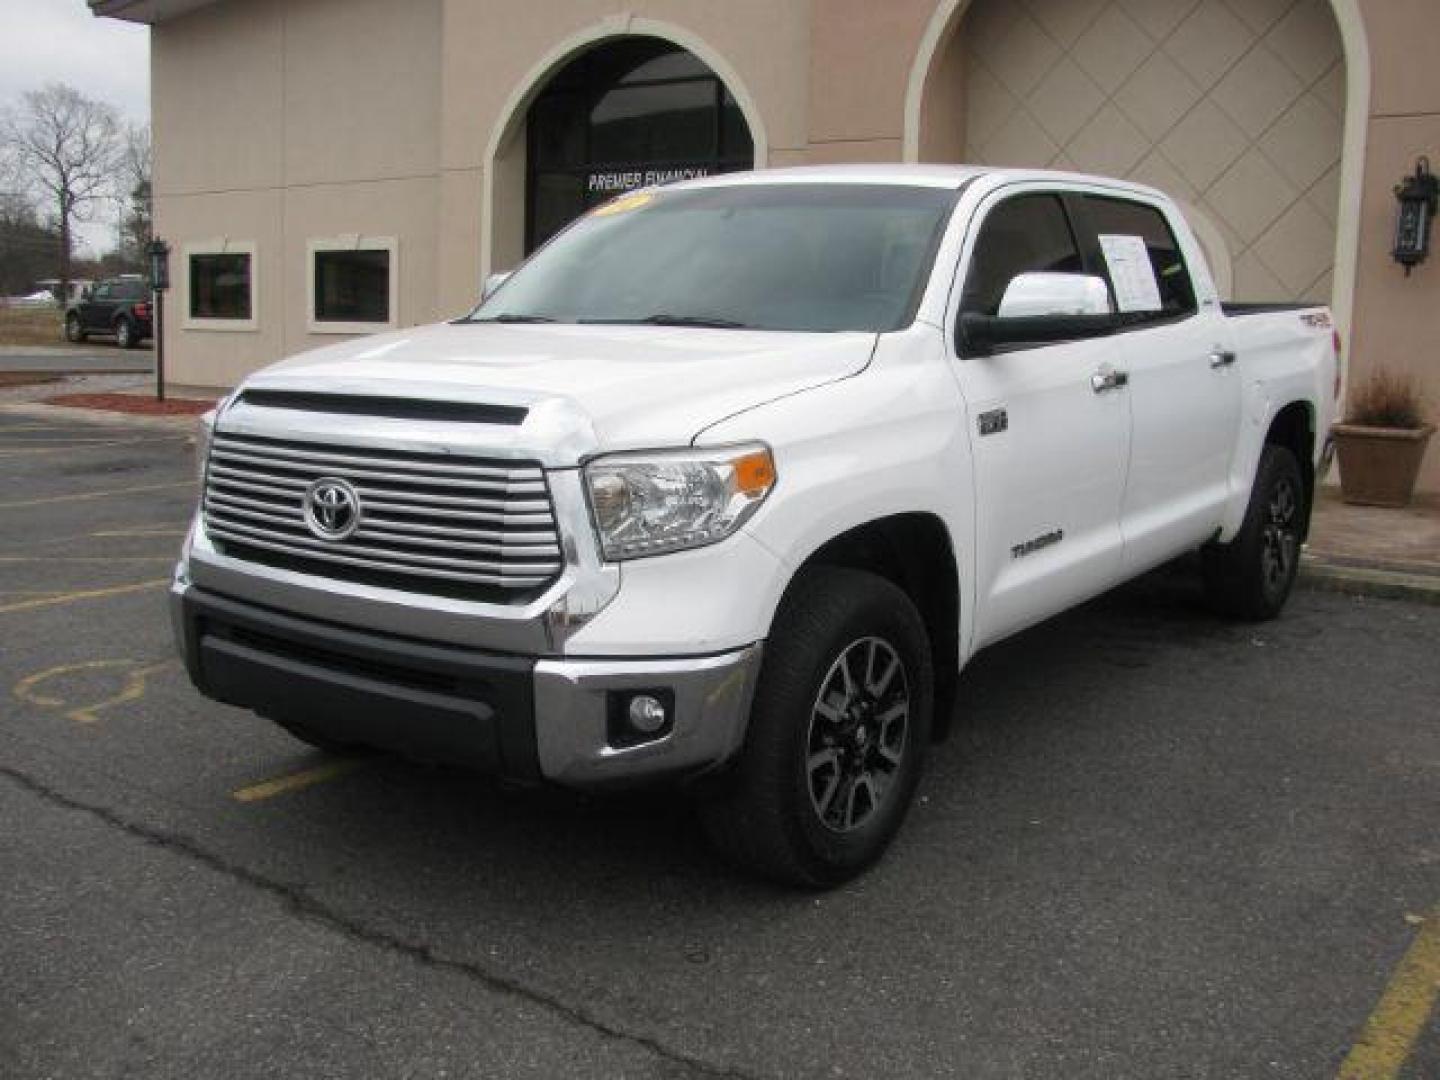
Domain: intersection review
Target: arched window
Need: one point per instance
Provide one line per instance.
(623, 115)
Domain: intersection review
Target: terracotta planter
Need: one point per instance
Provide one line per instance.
(1378, 466)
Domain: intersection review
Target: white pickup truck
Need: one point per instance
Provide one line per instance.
(725, 485)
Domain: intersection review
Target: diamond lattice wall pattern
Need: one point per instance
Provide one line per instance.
(1234, 107)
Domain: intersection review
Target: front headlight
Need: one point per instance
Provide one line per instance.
(204, 436)
(652, 503)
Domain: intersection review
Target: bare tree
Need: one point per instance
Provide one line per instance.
(67, 146)
(134, 197)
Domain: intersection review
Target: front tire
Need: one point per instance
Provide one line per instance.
(74, 332)
(837, 737)
(1252, 576)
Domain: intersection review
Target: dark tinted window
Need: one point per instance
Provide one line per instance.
(819, 257)
(624, 115)
(352, 286)
(1119, 217)
(129, 290)
(1026, 234)
(220, 286)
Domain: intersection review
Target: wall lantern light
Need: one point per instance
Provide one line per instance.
(159, 253)
(1418, 194)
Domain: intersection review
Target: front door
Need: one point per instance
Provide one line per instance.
(95, 312)
(1050, 439)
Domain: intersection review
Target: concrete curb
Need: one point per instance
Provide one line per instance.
(1373, 581)
(35, 410)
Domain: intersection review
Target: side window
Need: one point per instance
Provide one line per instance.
(1026, 234)
(1119, 217)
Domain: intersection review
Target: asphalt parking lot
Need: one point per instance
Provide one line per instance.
(1157, 844)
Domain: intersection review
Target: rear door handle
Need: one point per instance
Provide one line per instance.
(1103, 382)
(1222, 358)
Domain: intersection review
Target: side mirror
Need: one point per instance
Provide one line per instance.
(1031, 295)
(492, 283)
(1040, 309)
(87, 293)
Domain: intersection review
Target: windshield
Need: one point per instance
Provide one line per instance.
(814, 257)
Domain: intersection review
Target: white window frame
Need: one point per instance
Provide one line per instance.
(221, 246)
(351, 242)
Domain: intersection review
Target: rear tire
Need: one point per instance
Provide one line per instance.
(838, 733)
(1252, 576)
(125, 334)
(74, 332)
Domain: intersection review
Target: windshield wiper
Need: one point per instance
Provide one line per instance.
(662, 318)
(507, 318)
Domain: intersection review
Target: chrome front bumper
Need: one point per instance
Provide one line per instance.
(551, 719)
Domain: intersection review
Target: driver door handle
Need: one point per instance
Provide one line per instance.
(1105, 380)
(1222, 358)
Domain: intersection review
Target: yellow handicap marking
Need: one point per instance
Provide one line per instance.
(297, 781)
(1390, 1034)
(133, 673)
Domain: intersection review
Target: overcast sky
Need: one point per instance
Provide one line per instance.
(60, 41)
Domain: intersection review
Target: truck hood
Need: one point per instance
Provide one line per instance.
(634, 386)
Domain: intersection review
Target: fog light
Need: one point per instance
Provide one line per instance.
(639, 716)
(647, 714)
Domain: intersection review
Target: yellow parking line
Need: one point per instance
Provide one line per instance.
(1396, 1023)
(84, 594)
(141, 532)
(86, 558)
(297, 781)
(8, 451)
(87, 495)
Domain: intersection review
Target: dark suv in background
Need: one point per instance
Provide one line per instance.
(120, 306)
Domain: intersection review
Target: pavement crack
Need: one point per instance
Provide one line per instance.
(302, 904)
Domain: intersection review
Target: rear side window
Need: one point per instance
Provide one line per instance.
(1024, 235)
(1120, 217)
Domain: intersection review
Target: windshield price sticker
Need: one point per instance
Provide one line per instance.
(1136, 288)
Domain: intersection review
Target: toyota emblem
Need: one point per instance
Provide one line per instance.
(332, 508)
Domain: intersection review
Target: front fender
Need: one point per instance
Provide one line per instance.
(889, 441)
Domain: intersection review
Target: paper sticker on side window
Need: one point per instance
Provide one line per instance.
(1131, 272)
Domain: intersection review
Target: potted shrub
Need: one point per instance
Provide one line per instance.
(1382, 440)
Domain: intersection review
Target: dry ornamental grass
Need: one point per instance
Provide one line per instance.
(1386, 399)
(31, 326)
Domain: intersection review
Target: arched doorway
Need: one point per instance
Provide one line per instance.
(1244, 112)
(624, 114)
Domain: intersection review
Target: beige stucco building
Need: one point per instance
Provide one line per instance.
(329, 167)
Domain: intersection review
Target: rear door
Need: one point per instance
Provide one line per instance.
(1184, 379)
(1050, 445)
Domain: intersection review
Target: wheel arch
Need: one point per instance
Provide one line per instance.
(912, 550)
(1293, 427)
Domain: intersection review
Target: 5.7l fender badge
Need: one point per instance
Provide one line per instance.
(994, 421)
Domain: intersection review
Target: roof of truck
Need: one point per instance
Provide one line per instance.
(932, 176)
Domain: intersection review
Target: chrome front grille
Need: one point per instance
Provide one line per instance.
(428, 522)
